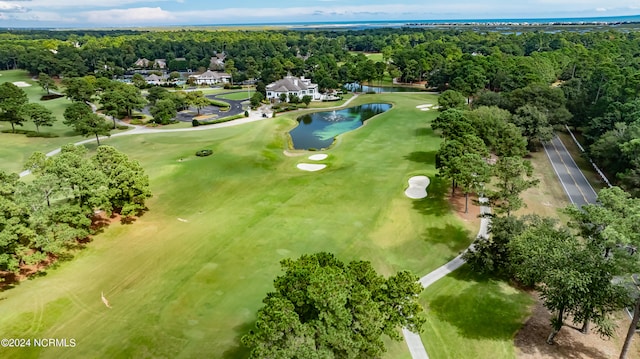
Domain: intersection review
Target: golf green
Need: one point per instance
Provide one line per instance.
(186, 279)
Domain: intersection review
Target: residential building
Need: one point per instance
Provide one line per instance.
(217, 62)
(160, 64)
(154, 79)
(211, 78)
(293, 85)
(142, 63)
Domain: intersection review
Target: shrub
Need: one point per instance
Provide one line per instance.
(30, 133)
(122, 127)
(204, 153)
(136, 122)
(223, 119)
(50, 97)
(246, 113)
(195, 123)
(41, 134)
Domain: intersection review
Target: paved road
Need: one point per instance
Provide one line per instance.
(575, 184)
(414, 342)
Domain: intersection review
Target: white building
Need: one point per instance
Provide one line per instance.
(154, 79)
(211, 78)
(293, 85)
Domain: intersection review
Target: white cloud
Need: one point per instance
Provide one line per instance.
(75, 4)
(128, 16)
(601, 9)
(292, 12)
(9, 7)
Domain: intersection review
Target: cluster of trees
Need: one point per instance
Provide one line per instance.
(119, 100)
(16, 109)
(324, 308)
(165, 104)
(464, 155)
(48, 215)
(581, 268)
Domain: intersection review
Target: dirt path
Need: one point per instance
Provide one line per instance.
(530, 341)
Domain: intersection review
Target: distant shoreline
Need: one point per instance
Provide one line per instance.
(373, 24)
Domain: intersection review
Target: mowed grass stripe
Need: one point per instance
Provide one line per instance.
(191, 289)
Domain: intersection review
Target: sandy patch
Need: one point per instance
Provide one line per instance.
(417, 187)
(318, 157)
(104, 300)
(21, 84)
(310, 167)
(427, 107)
(570, 342)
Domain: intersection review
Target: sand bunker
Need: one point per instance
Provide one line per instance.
(310, 167)
(417, 187)
(22, 84)
(318, 157)
(425, 107)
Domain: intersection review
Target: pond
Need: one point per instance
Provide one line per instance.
(364, 88)
(318, 130)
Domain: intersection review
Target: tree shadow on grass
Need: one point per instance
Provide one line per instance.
(239, 351)
(424, 131)
(483, 310)
(452, 236)
(436, 203)
(422, 157)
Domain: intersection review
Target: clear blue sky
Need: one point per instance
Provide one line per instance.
(100, 13)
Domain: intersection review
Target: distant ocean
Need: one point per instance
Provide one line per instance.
(361, 25)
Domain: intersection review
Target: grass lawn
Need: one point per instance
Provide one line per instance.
(471, 316)
(238, 96)
(186, 279)
(326, 104)
(373, 56)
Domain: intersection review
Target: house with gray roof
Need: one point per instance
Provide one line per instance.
(298, 86)
(144, 63)
(160, 64)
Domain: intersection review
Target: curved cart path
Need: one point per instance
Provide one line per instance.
(414, 342)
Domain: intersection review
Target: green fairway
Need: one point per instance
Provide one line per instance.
(186, 279)
(373, 56)
(16, 148)
(471, 316)
(238, 96)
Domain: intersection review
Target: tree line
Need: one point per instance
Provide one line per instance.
(593, 74)
(49, 215)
